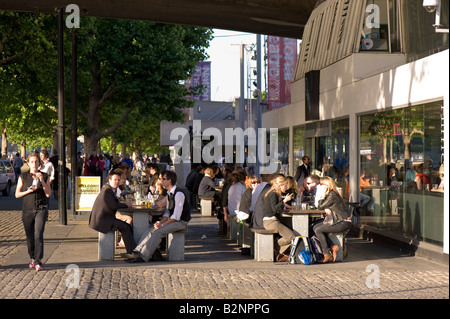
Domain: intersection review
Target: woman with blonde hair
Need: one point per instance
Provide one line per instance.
(273, 205)
(337, 216)
(292, 188)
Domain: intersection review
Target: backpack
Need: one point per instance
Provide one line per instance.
(316, 248)
(304, 256)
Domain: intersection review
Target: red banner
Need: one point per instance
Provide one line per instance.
(281, 62)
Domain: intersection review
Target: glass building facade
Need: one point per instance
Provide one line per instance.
(401, 157)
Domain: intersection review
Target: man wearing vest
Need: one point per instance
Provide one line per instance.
(175, 218)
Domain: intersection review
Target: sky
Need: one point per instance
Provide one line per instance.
(225, 63)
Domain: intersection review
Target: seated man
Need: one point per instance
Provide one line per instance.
(103, 216)
(207, 186)
(308, 190)
(175, 218)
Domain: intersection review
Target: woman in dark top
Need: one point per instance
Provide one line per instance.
(35, 189)
(273, 204)
(335, 209)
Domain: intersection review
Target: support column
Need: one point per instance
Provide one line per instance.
(354, 160)
(61, 127)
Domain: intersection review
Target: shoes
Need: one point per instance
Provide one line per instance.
(31, 264)
(327, 258)
(129, 255)
(135, 260)
(38, 267)
(334, 250)
(282, 258)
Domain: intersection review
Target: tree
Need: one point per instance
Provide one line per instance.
(135, 68)
(27, 54)
(125, 67)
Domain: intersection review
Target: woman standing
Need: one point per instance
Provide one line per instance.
(337, 218)
(273, 204)
(34, 187)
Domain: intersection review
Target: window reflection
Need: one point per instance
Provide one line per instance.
(401, 154)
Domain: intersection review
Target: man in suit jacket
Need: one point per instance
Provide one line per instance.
(103, 216)
(302, 171)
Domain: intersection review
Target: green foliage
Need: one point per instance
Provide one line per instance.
(129, 76)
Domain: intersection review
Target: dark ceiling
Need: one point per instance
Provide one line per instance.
(285, 18)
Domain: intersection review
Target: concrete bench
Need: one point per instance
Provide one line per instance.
(175, 245)
(338, 239)
(107, 245)
(232, 228)
(206, 206)
(263, 244)
(222, 226)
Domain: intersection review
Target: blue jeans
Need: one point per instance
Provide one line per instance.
(364, 199)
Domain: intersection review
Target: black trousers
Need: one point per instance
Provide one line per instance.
(34, 225)
(127, 234)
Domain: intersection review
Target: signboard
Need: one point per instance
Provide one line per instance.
(202, 76)
(282, 60)
(87, 189)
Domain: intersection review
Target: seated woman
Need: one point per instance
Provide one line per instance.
(274, 204)
(335, 208)
(422, 179)
(245, 204)
(156, 189)
(235, 192)
(292, 188)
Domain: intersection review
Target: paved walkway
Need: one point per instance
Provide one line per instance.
(214, 269)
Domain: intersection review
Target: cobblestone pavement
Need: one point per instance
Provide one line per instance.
(370, 272)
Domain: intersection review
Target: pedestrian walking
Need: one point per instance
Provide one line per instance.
(34, 187)
(17, 164)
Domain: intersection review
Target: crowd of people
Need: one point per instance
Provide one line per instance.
(36, 181)
(263, 200)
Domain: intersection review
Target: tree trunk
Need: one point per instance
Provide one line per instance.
(4, 143)
(113, 147)
(407, 143)
(23, 149)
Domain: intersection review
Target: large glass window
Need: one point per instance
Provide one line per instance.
(401, 155)
(299, 145)
(283, 151)
(327, 148)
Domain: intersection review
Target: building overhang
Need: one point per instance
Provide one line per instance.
(285, 18)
